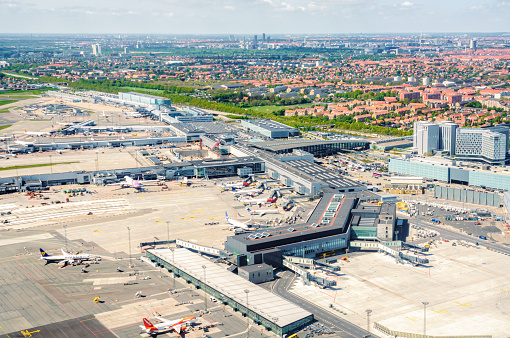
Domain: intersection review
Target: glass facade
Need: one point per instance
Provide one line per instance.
(435, 172)
(363, 232)
(489, 180)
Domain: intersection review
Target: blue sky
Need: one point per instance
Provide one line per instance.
(253, 16)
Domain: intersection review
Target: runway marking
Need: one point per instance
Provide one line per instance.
(505, 291)
(465, 304)
(5, 332)
(414, 319)
(440, 311)
(27, 333)
(64, 283)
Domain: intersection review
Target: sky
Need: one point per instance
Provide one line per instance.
(253, 16)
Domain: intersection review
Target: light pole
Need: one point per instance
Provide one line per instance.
(65, 234)
(247, 316)
(173, 263)
(168, 234)
(129, 243)
(205, 293)
(368, 319)
(425, 317)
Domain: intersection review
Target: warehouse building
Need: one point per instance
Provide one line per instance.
(144, 99)
(265, 308)
(317, 148)
(270, 128)
(449, 172)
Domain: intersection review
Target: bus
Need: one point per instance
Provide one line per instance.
(376, 175)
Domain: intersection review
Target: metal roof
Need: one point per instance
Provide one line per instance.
(263, 302)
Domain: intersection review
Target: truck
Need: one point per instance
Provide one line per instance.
(482, 237)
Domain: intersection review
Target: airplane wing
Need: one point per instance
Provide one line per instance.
(164, 321)
(177, 328)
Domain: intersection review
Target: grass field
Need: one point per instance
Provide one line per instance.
(4, 102)
(142, 90)
(33, 165)
(5, 126)
(270, 109)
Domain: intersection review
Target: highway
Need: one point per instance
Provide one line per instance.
(342, 327)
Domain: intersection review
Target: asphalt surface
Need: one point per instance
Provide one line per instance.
(342, 327)
(454, 235)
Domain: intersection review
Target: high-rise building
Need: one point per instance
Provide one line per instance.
(447, 139)
(472, 44)
(481, 144)
(426, 137)
(255, 39)
(126, 50)
(426, 81)
(263, 37)
(96, 49)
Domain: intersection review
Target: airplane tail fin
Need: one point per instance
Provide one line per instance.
(149, 325)
(43, 253)
(226, 216)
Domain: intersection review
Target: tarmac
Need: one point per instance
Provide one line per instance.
(48, 301)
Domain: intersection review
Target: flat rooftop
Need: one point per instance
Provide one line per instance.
(328, 177)
(145, 95)
(338, 223)
(287, 144)
(260, 300)
(271, 125)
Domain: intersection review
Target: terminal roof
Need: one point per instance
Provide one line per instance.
(261, 301)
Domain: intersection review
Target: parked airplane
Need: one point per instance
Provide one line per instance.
(232, 185)
(236, 224)
(42, 133)
(253, 200)
(131, 183)
(263, 212)
(244, 192)
(178, 325)
(65, 258)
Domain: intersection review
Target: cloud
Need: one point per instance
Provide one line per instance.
(407, 4)
(229, 8)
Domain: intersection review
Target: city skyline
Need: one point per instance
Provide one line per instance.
(248, 16)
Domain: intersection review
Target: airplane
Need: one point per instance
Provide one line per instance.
(263, 212)
(131, 183)
(178, 325)
(237, 224)
(37, 133)
(232, 185)
(249, 191)
(253, 200)
(65, 258)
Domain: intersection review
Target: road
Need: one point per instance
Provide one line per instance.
(451, 234)
(22, 76)
(342, 327)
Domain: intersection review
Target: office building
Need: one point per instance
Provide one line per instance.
(410, 96)
(426, 137)
(426, 81)
(481, 144)
(144, 99)
(447, 136)
(96, 49)
(263, 37)
(472, 44)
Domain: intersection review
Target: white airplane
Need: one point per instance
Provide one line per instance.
(253, 200)
(237, 224)
(65, 258)
(42, 133)
(262, 212)
(130, 182)
(178, 325)
(244, 192)
(233, 185)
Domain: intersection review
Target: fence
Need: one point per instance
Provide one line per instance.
(400, 334)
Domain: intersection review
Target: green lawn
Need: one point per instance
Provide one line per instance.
(34, 165)
(5, 126)
(4, 102)
(141, 90)
(270, 109)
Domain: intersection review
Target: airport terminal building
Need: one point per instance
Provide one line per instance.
(265, 308)
(336, 220)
